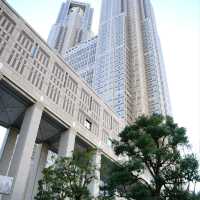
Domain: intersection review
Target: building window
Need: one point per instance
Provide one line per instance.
(34, 50)
(88, 124)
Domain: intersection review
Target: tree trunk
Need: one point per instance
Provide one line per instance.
(157, 191)
(78, 197)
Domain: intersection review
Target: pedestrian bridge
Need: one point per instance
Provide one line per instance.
(43, 101)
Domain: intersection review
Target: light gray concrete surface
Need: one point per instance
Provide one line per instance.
(19, 168)
(66, 143)
(8, 151)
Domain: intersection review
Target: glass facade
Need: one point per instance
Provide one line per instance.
(72, 26)
(82, 58)
(129, 71)
(124, 64)
(110, 72)
(158, 97)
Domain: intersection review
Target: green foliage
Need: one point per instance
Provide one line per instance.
(155, 168)
(68, 177)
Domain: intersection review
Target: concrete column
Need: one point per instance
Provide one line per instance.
(39, 160)
(21, 161)
(1, 75)
(66, 143)
(95, 184)
(8, 150)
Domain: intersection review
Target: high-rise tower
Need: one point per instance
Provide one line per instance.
(72, 26)
(129, 73)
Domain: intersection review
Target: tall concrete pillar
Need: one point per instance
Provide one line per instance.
(39, 160)
(8, 150)
(66, 143)
(19, 168)
(95, 184)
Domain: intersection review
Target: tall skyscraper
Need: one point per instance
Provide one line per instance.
(130, 72)
(72, 26)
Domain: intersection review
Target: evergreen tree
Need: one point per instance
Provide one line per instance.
(67, 177)
(155, 166)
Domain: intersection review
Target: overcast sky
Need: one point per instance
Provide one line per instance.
(178, 24)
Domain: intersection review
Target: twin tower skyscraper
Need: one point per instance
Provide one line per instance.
(124, 63)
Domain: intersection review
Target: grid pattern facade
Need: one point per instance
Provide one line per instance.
(72, 26)
(124, 64)
(6, 30)
(129, 71)
(113, 72)
(82, 58)
(34, 67)
(158, 97)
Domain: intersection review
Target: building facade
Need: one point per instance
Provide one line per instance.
(130, 72)
(82, 58)
(157, 87)
(46, 107)
(72, 26)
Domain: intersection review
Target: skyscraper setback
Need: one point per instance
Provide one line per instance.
(72, 26)
(129, 72)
